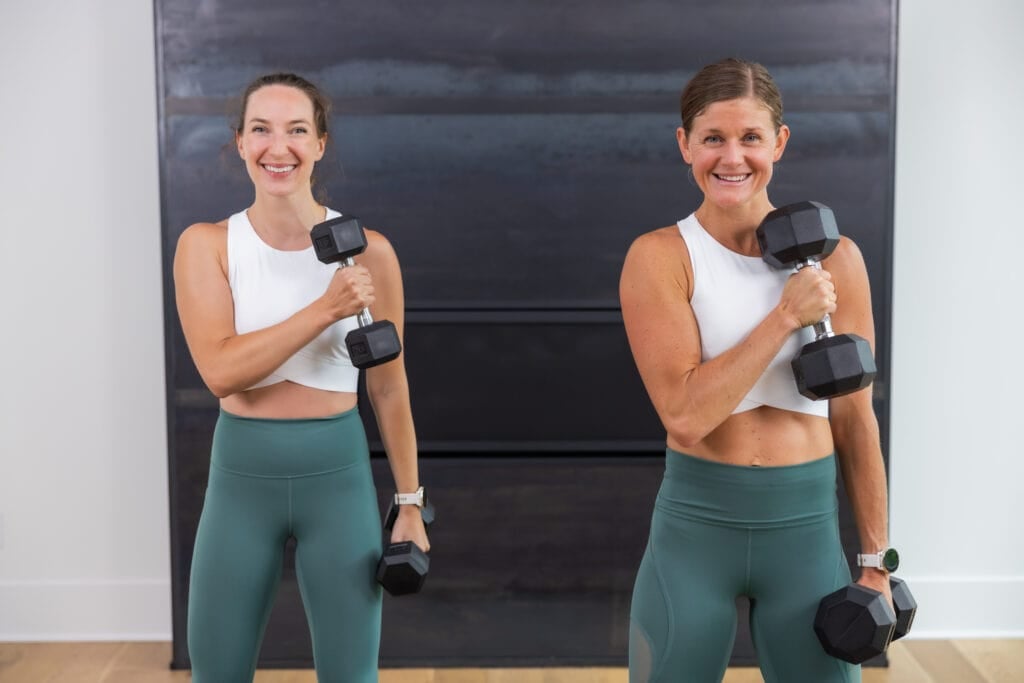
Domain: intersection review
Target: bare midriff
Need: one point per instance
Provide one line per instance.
(764, 437)
(288, 400)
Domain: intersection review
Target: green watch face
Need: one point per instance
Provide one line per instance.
(891, 560)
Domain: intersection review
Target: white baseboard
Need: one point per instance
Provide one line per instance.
(62, 610)
(967, 607)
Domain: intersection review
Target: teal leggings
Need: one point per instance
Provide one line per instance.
(271, 480)
(722, 531)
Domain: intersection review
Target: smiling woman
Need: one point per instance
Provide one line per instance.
(266, 323)
(750, 470)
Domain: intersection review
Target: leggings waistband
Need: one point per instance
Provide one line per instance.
(733, 495)
(277, 447)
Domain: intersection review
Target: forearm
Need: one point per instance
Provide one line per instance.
(860, 459)
(243, 360)
(393, 412)
(712, 390)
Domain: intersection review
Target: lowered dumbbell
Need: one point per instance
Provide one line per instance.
(856, 623)
(403, 567)
(798, 236)
(339, 240)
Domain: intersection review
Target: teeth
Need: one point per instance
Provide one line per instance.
(278, 169)
(732, 178)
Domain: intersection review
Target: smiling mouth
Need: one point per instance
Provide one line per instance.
(279, 170)
(732, 178)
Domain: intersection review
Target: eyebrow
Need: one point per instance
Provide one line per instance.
(754, 129)
(290, 123)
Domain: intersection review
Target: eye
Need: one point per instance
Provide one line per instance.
(752, 137)
(299, 130)
(258, 129)
(712, 139)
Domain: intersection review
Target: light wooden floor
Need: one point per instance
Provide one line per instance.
(916, 661)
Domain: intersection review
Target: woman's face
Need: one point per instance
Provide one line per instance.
(731, 147)
(279, 140)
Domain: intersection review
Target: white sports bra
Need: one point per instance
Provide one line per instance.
(268, 286)
(732, 294)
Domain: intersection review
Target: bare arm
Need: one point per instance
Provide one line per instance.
(388, 386)
(852, 417)
(230, 362)
(690, 397)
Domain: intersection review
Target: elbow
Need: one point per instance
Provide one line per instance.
(686, 431)
(219, 386)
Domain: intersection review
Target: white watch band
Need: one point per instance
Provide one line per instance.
(873, 560)
(410, 498)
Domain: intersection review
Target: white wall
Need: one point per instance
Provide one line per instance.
(958, 373)
(83, 503)
(84, 550)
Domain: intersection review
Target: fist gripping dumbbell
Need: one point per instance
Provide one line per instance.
(798, 236)
(338, 241)
(403, 567)
(855, 623)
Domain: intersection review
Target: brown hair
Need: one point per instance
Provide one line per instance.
(729, 79)
(321, 104)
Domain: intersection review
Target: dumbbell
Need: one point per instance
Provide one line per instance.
(372, 343)
(798, 236)
(403, 567)
(856, 623)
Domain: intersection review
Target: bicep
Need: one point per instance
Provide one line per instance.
(202, 293)
(660, 324)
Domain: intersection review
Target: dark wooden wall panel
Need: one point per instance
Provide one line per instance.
(511, 151)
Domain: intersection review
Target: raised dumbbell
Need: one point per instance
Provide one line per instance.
(856, 623)
(339, 240)
(798, 236)
(403, 567)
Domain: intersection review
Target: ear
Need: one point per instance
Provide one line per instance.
(238, 144)
(781, 138)
(321, 146)
(683, 147)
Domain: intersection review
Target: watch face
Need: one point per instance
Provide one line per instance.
(891, 560)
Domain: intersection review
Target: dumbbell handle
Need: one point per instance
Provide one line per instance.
(822, 328)
(364, 315)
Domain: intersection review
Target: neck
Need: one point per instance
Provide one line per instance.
(735, 227)
(281, 219)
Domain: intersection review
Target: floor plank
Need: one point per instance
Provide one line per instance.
(916, 661)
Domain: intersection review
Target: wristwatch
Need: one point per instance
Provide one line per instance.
(887, 559)
(410, 498)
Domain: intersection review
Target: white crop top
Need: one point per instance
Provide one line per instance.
(732, 294)
(268, 286)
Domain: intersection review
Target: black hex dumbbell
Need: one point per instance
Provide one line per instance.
(338, 241)
(798, 236)
(856, 623)
(403, 567)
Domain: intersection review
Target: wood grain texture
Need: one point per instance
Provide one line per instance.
(918, 661)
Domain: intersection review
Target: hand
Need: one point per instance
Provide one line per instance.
(877, 580)
(349, 292)
(409, 527)
(808, 295)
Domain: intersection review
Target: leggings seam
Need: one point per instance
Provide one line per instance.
(291, 525)
(670, 631)
(750, 545)
(284, 476)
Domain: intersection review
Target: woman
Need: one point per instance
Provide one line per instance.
(265, 323)
(748, 504)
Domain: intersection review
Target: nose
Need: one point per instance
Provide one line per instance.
(278, 144)
(732, 153)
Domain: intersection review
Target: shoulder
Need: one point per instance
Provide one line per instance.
(659, 256)
(379, 252)
(661, 244)
(200, 235)
(846, 261)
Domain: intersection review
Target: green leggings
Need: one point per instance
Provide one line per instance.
(270, 480)
(722, 531)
